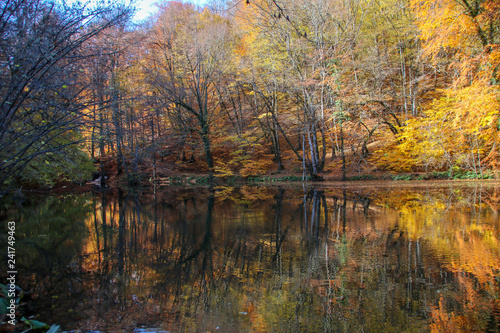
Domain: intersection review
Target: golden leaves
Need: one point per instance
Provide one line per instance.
(458, 129)
(460, 33)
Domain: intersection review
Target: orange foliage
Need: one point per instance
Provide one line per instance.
(462, 34)
(443, 321)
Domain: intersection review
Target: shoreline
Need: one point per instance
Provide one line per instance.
(188, 180)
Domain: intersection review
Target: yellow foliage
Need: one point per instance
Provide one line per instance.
(458, 129)
(265, 115)
(247, 158)
(222, 169)
(256, 167)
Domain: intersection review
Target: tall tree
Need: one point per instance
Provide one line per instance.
(295, 45)
(42, 97)
(189, 54)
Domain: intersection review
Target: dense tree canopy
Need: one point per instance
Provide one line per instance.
(246, 88)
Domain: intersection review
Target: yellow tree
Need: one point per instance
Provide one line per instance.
(264, 74)
(291, 47)
(463, 34)
(459, 129)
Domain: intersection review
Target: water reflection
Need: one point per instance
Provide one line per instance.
(255, 259)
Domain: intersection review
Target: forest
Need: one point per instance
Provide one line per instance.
(321, 89)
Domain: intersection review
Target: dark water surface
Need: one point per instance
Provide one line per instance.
(261, 259)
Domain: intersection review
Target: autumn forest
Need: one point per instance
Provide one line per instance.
(322, 89)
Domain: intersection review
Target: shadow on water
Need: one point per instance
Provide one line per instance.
(255, 259)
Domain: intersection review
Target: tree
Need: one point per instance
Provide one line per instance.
(462, 34)
(189, 54)
(459, 130)
(105, 90)
(42, 97)
(123, 115)
(286, 48)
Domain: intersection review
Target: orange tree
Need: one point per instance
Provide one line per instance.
(188, 59)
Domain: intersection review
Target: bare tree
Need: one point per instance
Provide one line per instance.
(42, 97)
(190, 51)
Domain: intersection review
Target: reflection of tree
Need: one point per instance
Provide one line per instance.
(462, 236)
(315, 208)
(49, 237)
(316, 260)
(279, 235)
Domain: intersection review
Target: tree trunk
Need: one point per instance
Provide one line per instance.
(205, 130)
(342, 151)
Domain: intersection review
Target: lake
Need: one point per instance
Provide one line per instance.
(361, 257)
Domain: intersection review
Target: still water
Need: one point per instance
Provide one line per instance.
(411, 258)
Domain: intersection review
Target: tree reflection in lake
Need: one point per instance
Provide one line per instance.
(255, 259)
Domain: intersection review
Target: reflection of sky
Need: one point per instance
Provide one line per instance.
(144, 8)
